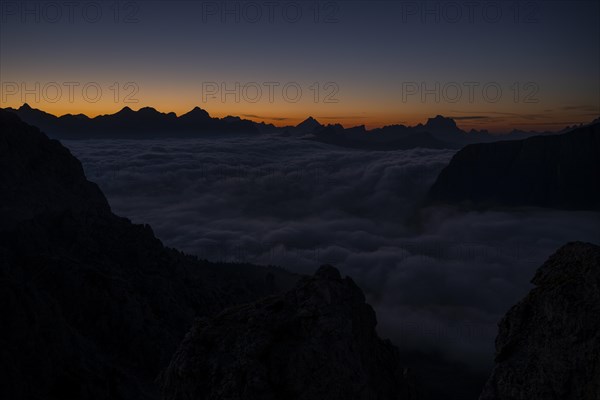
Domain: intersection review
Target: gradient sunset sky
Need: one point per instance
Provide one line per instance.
(369, 56)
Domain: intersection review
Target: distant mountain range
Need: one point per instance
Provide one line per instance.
(387, 138)
(142, 124)
(437, 133)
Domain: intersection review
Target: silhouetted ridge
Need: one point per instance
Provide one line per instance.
(129, 124)
(309, 125)
(559, 171)
(437, 133)
(125, 111)
(391, 137)
(40, 177)
(442, 124)
(196, 114)
(548, 345)
(317, 341)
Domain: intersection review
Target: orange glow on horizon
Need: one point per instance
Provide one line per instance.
(284, 115)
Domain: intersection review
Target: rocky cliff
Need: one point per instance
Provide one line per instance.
(548, 346)
(317, 341)
(93, 306)
(558, 171)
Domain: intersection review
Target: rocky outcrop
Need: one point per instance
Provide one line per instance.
(317, 341)
(91, 305)
(548, 346)
(557, 171)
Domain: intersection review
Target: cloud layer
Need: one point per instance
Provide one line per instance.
(438, 278)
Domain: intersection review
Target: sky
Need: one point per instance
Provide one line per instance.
(496, 65)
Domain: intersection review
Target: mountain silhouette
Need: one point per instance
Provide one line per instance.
(196, 116)
(440, 125)
(557, 171)
(309, 125)
(393, 137)
(438, 132)
(129, 124)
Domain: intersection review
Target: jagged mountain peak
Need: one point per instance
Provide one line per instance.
(125, 110)
(309, 125)
(196, 112)
(440, 122)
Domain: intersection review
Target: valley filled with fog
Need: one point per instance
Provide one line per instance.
(299, 204)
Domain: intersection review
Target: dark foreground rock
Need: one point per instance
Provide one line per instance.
(557, 171)
(94, 307)
(548, 347)
(317, 341)
(91, 305)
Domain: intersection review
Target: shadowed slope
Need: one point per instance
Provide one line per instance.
(549, 343)
(93, 305)
(558, 171)
(317, 341)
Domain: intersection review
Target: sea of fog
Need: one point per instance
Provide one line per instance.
(438, 278)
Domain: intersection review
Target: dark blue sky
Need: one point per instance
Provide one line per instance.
(356, 62)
